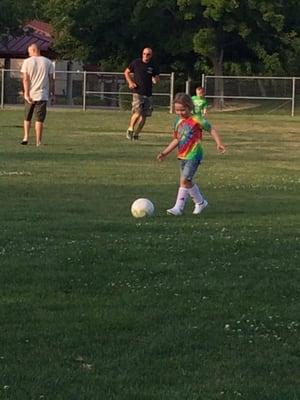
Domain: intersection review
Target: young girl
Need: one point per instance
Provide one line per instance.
(187, 138)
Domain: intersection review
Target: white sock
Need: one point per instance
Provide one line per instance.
(196, 195)
(182, 197)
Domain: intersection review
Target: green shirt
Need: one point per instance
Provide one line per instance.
(200, 103)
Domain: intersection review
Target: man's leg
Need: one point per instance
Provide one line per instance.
(146, 111)
(38, 132)
(40, 115)
(27, 125)
(137, 107)
(29, 108)
(133, 120)
(140, 124)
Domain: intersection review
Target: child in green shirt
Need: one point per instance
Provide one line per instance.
(200, 108)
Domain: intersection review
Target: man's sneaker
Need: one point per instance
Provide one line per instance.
(200, 207)
(136, 136)
(129, 134)
(174, 211)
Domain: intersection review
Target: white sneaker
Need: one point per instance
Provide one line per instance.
(129, 134)
(174, 211)
(200, 207)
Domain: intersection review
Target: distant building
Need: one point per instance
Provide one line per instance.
(13, 51)
(14, 48)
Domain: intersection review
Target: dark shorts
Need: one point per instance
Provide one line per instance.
(142, 105)
(38, 109)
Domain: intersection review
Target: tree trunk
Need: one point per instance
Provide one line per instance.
(219, 82)
(261, 88)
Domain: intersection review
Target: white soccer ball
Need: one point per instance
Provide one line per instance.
(142, 208)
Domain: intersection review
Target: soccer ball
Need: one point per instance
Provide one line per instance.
(142, 208)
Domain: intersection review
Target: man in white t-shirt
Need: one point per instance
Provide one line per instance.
(38, 83)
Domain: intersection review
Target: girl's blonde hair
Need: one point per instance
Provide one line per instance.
(185, 100)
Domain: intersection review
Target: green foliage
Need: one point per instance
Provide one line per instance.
(62, 16)
(185, 34)
(292, 56)
(251, 31)
(270, 61)
(12, 15)
(218, 10)
(205, 42)
(115, 63)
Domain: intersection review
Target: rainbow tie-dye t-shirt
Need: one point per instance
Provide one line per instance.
(188, 132)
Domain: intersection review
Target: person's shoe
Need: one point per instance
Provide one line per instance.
(129, 134)
(174, 211)
(24, 142)
(136, 137)
(200, 207)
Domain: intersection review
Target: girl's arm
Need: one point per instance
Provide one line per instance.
(171, 146)
(217, 139)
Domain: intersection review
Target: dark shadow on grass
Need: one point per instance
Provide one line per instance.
(11, 126)
(33, 153)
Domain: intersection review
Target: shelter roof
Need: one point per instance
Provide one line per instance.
(35, 31)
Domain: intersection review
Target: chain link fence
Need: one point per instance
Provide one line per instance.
(253, 94)
(82, 89)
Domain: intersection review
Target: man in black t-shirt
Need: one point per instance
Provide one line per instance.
(145, 74)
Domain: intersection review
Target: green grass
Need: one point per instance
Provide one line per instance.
(98, 305)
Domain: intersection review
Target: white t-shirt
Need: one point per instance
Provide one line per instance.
(38, 69)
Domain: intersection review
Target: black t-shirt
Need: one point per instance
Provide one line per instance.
(143, 73)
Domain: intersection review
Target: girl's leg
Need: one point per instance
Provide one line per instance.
(182, 196)
(196, 195)
(187, 188)
(198, 199)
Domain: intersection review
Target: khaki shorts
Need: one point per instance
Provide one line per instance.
(142, 105)
(38, 109)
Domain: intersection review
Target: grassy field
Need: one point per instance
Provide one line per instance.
(98, 305)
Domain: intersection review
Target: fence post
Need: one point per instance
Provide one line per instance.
(2, 88)
(84, 91)
(172, 91)
(203, 81)
(188, 86)
(293, 96)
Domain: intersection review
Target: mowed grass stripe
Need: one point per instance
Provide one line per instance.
(96, 304)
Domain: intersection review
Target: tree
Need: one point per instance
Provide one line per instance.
(189, 35)
(252, 30)
(90, 31)
(12, 15)
(114, 31)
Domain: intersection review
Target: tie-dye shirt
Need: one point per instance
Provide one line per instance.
(188, 132)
